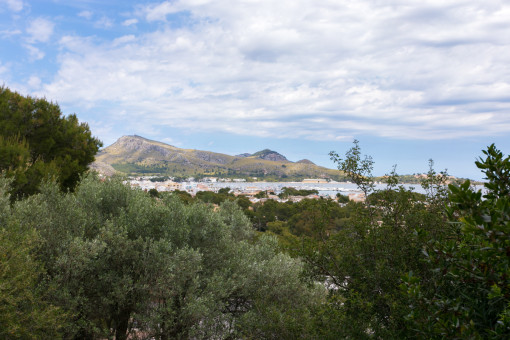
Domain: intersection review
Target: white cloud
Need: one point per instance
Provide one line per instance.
(40, 30)
(86, 14)
(170, 141)
(123, 40)
(9, 33)
(14, 5)
(34, 82)
(158, 12)
(130, 22)
(35, 53)
(303, 69)
(104, 22)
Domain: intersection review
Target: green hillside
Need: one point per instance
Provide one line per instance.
(135, 155)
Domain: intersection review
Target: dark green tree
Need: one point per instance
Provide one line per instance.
(153, 192)
(224, 191)
(289, 191)
(467, 292)
(342, 198)
(58, 146)
(364, 259)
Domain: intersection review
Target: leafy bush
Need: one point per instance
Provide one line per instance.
(127, 264)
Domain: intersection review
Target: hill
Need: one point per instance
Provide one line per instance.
(136, 155)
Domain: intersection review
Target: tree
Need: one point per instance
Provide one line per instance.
(364, 259)
(467, 292)
(224, 191)
(357, 168)
(342, 198)
(289, 191)
(153, 192)
(58, 146)
(24, 311)
(125, 263)
(261, 194)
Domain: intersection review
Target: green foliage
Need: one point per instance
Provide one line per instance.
(38, 143)
(106, 261)
(224, 191)
(124, 261)
(317, 218)
(212, 197)
(24, 312)
(153, 193)
(364, 259)
(184, 196)
(16, 164)
(342, 198)
(159, 179)
(467, 294)
(261, 194)
(288, 191)
(14, 153)
(142, 169)
(357, 168)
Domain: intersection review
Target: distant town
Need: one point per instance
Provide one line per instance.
(255, 191)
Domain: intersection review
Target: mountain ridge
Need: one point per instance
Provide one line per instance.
(266, 154)
(138, 155)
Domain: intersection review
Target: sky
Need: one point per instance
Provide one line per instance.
(411, 80)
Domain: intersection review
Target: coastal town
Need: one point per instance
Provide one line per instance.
(252, 190)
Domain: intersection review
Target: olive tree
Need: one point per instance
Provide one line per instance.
(126, 263)
(25, 312)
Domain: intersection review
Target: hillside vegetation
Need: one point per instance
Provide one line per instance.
(137, 155)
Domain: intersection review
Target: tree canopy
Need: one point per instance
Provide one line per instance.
(467, 292)
(37, 141)
(126, 263)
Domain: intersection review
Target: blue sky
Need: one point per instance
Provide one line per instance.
(411, 80)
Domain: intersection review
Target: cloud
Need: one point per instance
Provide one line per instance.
(302, 69)
(123, 40)
(40, 30)
(86, 14)
(34, 82)
(35, 53)
(9, 33)
(170, 141)
(104, 22)
(14, 5)
(158, 12)
(130, 22)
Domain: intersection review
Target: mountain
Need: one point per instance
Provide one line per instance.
(270, 155)
(266, 154)
(305, 161)
(138, 155)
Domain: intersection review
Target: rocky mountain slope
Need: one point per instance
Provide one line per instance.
(138, 155)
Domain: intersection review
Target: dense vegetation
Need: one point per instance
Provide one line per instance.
(106, 261)
(402, 264)
(118, 262)
(37, 142)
